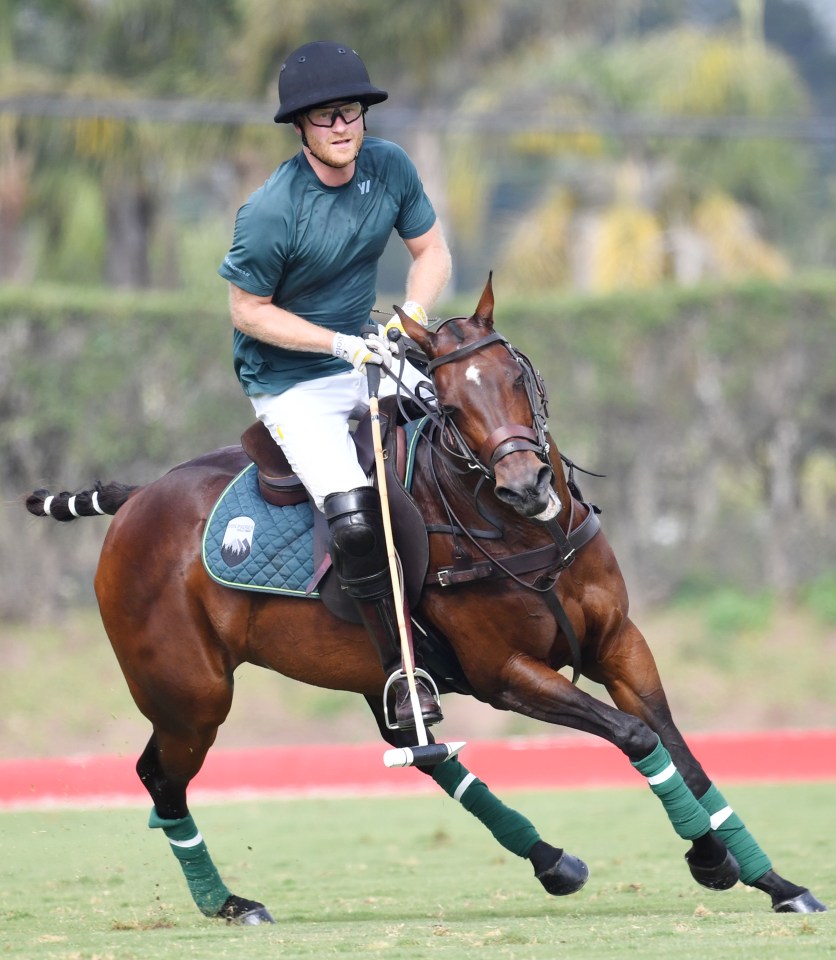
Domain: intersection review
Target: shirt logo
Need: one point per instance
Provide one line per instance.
(231, 266)
(364, 186)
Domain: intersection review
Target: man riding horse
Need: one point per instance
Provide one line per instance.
(302, 271)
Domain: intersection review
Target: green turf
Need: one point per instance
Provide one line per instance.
(410, 878)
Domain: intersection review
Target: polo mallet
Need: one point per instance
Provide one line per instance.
(425, 754)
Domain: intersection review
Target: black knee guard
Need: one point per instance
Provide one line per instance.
(358, 543)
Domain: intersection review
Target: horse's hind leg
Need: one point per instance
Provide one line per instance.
(629, 672)
(559, 872)
(171, 814)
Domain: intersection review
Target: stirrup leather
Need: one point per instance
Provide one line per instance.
(401, 675)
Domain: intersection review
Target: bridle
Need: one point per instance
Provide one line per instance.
(508, 438)
(502, 441)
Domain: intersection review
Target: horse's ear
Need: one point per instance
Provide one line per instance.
(413, 330)
(484, 312)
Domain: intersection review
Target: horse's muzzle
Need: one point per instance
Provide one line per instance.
(524, 488)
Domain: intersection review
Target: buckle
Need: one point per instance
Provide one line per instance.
(465, 573)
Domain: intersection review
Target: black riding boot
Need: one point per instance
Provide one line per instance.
(358, 552)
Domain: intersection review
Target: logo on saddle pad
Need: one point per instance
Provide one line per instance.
(237, 541)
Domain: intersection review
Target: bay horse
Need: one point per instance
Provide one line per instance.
(522, 583)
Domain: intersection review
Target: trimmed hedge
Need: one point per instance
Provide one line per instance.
(703, 406)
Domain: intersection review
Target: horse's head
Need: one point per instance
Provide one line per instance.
(493, 403)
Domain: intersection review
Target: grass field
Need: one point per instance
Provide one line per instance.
(410, 878)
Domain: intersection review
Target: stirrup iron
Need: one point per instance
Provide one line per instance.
(401, 675)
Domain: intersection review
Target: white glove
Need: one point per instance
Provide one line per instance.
(358, 352)
(413, 310)
(382, 347)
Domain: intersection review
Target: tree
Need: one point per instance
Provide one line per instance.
(117, 171)
(650, 190)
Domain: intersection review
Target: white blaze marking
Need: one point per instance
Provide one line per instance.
(473, 373)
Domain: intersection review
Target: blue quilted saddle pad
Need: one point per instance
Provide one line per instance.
(252, 545)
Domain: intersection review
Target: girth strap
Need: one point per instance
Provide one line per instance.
(550, 559)
(565, 625)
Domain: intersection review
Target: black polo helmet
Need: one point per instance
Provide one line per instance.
(320, 72)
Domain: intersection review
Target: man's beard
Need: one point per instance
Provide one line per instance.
(329, 163)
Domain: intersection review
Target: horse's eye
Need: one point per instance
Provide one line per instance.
(448, 409)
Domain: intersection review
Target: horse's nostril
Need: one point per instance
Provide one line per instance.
(508, 495)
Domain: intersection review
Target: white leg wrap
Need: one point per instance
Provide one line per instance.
(719, 818)
(462, 787)
(195, 840)
(666, 774)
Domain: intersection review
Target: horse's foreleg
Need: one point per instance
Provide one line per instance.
(628, 670)
(531, 688)
(170, 813)
(559, 872)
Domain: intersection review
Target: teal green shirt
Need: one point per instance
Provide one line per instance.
(314, 251)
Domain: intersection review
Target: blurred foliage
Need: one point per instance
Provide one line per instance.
(820, 597)
(465, 61)
(730, 613)
(641, 208)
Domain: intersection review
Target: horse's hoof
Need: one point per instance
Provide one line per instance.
(804, 903)
(254, 918)
(249, 913)
(722, 876)
(567, 875)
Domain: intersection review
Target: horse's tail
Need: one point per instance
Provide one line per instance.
(64, 506)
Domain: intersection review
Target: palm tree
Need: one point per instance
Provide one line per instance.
(98, 184)
(653, 194)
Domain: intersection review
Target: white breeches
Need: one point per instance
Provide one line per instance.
(310, 424)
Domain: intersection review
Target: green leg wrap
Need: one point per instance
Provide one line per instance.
(688, 818)
(514, 831)
(728, 826)
(205, 885)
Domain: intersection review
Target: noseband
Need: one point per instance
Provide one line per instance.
(508, 438)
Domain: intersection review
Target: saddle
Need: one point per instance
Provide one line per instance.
(280, 486)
